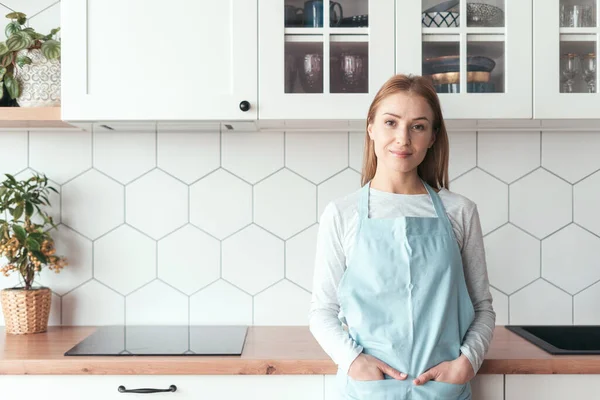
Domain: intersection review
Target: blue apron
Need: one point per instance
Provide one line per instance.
(404, 299)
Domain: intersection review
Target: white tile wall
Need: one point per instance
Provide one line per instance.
(169, 227)
(228, 235)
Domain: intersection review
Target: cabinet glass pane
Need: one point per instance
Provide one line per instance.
(440, 13)
(349, 13)
(349, 67)
(303, 67)
(441, 63)
(310, 13)
(577, 13)
(485, 64)
(485, 13)
(294, 14)
(577, 67)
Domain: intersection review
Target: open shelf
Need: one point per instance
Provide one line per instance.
(31, 117)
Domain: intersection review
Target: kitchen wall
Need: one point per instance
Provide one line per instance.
(220, 228)
(165, 227)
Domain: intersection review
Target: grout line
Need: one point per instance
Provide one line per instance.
(220, 259)
(476, 148)
(42, 10)
(156, 145)
(508, 202)
(573, 309)
(572, 203)
(28, 146)
(220, 146)
(541, 137)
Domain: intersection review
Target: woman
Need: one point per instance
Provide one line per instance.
(402, 262)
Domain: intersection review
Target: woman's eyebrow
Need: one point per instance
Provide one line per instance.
(397, 116)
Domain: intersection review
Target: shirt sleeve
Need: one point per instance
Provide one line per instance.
(479, 335)
(329, 266)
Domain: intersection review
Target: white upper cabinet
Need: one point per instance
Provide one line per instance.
(477, 52)
(323, 59)
(566, 44)
(159, 60)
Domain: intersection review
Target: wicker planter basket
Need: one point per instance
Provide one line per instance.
(26, 311)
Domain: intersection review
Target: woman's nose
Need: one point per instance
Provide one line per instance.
(402, 135)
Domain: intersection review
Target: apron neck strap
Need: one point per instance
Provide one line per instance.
(363, 202)
(440, 211)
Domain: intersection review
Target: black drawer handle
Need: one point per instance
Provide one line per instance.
(171, 388)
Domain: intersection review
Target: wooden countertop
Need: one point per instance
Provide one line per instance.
(268, 350)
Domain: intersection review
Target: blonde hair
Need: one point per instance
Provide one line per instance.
(434, 168)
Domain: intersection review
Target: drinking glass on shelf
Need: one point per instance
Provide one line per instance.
(577, 15)
(589, 71)
(569, 67)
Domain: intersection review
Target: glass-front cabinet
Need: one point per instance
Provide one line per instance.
(566, 43)
(323, 59)
(477, 53)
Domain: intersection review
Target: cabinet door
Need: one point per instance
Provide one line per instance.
(189, 387)
(477, 53)
(314, 70)
(566, 44)
(151, 59)
(487, 387)
(552, 387)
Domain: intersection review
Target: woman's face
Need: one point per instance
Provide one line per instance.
(402, 131)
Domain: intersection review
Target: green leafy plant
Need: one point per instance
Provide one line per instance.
(20, 37)
(25, 244)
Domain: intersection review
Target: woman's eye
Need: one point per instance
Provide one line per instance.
(389, 122)
(418, 127)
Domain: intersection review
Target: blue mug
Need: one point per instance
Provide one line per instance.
(313, 13)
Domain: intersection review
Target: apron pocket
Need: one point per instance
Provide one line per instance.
(441, 390)
(381, 389)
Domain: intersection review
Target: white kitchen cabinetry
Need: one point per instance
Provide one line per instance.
(189, 387)
(159, 60)
(314, 70)
(474, 40)
(565, 48)
(483, 387)
(552, 387)
(488, 387)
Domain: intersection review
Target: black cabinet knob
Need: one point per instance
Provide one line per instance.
(245, 105)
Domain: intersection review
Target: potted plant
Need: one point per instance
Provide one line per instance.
(29, 65)
(27, 247)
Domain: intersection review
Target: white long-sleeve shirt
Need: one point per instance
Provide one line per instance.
(335, 242)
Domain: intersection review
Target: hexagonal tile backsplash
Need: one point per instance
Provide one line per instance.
(194, 228)
(224, 230)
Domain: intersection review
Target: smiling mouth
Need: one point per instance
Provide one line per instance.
(401, 154)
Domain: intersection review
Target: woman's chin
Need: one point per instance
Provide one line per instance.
(400, 166)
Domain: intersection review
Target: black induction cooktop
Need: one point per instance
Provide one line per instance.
(561, 339)
(162, 340)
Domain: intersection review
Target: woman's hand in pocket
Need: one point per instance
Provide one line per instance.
(458, 371)
(365, 367)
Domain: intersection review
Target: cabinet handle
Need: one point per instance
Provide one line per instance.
(122, 389)
(245, 105)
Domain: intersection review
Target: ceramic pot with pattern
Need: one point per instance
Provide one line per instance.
(40, 80)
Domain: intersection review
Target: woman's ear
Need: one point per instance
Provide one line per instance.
(433, 138)
(370, 130)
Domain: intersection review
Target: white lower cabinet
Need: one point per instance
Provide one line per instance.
(488, 387)
(552, 387)
(189, 387)
(483, 387)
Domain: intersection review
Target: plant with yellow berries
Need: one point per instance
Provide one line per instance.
(25, 244)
